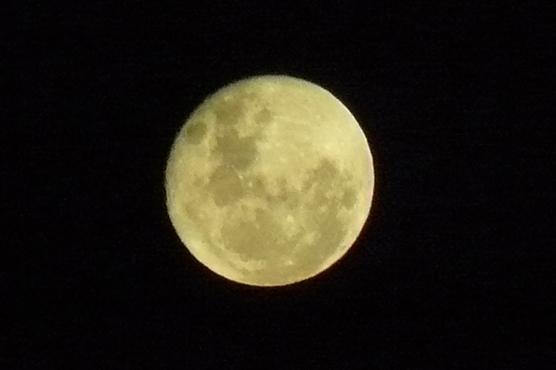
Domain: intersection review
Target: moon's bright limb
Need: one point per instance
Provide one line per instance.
(270, 181)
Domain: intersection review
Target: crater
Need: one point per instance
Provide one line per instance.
(195, 132)
(258, 186)
(230, 112)
(325, 171)
(332, 230)
(263, 116)
(239, 152)
(349, 198)
(225, 185)
(262, 239)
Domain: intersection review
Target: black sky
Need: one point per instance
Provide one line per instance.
(453, 269)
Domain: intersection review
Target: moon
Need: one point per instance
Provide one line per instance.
(270, 181)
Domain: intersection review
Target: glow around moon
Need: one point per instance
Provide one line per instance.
(270, 181)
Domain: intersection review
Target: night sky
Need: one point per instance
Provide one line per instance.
(453, 270)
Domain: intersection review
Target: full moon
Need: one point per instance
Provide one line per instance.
(270, 181)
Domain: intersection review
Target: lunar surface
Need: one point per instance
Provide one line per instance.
(270, 181)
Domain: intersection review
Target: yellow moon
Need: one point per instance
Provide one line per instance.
(270, 181)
